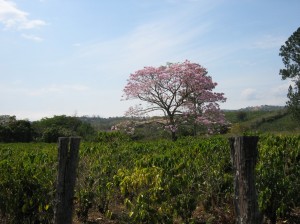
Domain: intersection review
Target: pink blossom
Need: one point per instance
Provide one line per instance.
(178, 89)
(172, 128)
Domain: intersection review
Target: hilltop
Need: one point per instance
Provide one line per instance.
(263, 108)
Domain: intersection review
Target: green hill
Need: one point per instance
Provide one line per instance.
(262, 119)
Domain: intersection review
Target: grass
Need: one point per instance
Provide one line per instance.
(279, 121)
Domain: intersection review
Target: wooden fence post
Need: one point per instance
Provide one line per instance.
(68, 149)
(244, 157)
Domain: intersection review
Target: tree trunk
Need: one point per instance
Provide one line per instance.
(172, 123)
(174, 137)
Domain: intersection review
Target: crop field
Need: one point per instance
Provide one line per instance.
(123, 181)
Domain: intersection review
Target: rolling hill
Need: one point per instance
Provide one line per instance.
(263, 118)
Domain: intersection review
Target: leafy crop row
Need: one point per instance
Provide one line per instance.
(27, 182)
(148, 182)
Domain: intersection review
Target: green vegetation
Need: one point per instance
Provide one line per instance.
(102, 124)
(13, 130)
(45, 130)
(27, 179)
(290, 52)
(49, 129)
(187, 181)
(139, 177)
(262, 121)
(278, 175)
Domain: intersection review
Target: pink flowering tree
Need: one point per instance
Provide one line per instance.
(182, 91)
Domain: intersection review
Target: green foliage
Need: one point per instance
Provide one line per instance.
(294, 101)
(26, 183)
(51, 134)
(112, 136)
(144, 194)
(278, 172)
(241, 115)
(290, 52)
(102, 124)
(277, 121)
(13, 130)
(148, 182)
(158, 182)
(49, 129)
(290, 56)
(46, 130)
(273, 119)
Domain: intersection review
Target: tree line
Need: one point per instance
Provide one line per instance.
(44, 130)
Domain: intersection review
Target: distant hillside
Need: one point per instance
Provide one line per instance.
(264, 118)
(102, 124)
(258, 108)
(263, 108)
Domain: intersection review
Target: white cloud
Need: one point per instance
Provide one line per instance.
(150, 44)
(31, 24)
(280, 91)
(57, 89)
(274, 95)
(32, 37)
(12, 17)
(268, 42)
(19, 89)
(249, 94)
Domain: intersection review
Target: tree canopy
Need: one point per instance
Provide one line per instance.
(182, 91)
(290, 53)
(49, 129)
(13, 130)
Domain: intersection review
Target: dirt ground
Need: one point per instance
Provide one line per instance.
(200, 216)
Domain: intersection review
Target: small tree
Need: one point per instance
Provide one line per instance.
(290, 53)
(182, 91)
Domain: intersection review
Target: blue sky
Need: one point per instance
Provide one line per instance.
(74, 56)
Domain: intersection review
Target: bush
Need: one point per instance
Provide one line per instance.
(278, 172)
(26, 186)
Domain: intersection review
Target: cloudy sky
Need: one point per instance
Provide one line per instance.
(74, 56)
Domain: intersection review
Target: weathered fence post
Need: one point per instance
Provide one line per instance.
(67, 164)
(244, 156)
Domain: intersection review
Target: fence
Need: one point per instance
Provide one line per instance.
(244, 157)
(67, 164)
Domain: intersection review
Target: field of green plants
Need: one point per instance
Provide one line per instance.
(123, 181)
